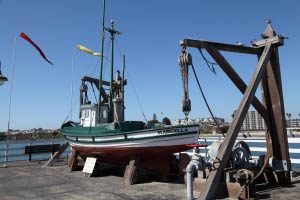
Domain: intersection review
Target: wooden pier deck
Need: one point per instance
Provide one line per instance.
(29, 180)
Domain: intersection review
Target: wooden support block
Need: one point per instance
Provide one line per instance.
(130, 172)
(72, 161)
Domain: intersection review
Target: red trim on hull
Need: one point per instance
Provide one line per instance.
(131, 151)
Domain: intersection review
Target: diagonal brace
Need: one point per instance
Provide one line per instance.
(235, 78)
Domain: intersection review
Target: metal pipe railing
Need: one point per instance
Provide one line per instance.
(9, 151)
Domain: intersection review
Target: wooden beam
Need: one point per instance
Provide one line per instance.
(277, 143)
(235, 78)
(276, 40)
(106, 83)
(208, 191)
(72, 161)
(220, 46)
(96, 82)
(57, 155)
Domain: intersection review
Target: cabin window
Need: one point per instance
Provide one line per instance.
(87, 114)
(104, 114)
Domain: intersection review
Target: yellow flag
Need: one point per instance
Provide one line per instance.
(87, 50)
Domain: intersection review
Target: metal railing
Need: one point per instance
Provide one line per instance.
(15, 150)
(257, 147)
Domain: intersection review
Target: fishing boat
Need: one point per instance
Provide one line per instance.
(104, 133)
(108, 135)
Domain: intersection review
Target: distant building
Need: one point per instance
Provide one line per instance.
(293, 123)
(252, 122)
(202, 121)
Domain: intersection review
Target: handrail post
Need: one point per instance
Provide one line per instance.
(6, 152)
(52, 148)
(29, 155)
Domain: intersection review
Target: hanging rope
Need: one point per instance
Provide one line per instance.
(136, 95)
(209, 64)
(206, 103)
(131, 82)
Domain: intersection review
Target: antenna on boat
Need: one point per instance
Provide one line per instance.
(122, 85)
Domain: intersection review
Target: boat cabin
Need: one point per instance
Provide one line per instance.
(89, 116)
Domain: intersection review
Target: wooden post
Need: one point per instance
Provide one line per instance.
(130, 171)
(72, 161)
(272, 96)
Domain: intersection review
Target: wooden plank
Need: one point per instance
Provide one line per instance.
(72, 161)
(130, 171)
(57, 155)
(209, 189)
(235, 78)
(220, 46)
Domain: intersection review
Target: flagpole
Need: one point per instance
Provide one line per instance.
(11, 85)
(72, 84)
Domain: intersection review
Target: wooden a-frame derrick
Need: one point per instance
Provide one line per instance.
(271, 108)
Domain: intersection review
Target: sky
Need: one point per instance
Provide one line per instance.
(151, 31)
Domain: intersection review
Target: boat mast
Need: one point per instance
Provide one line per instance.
(112, 32)
(101, 65)
(122, 85)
